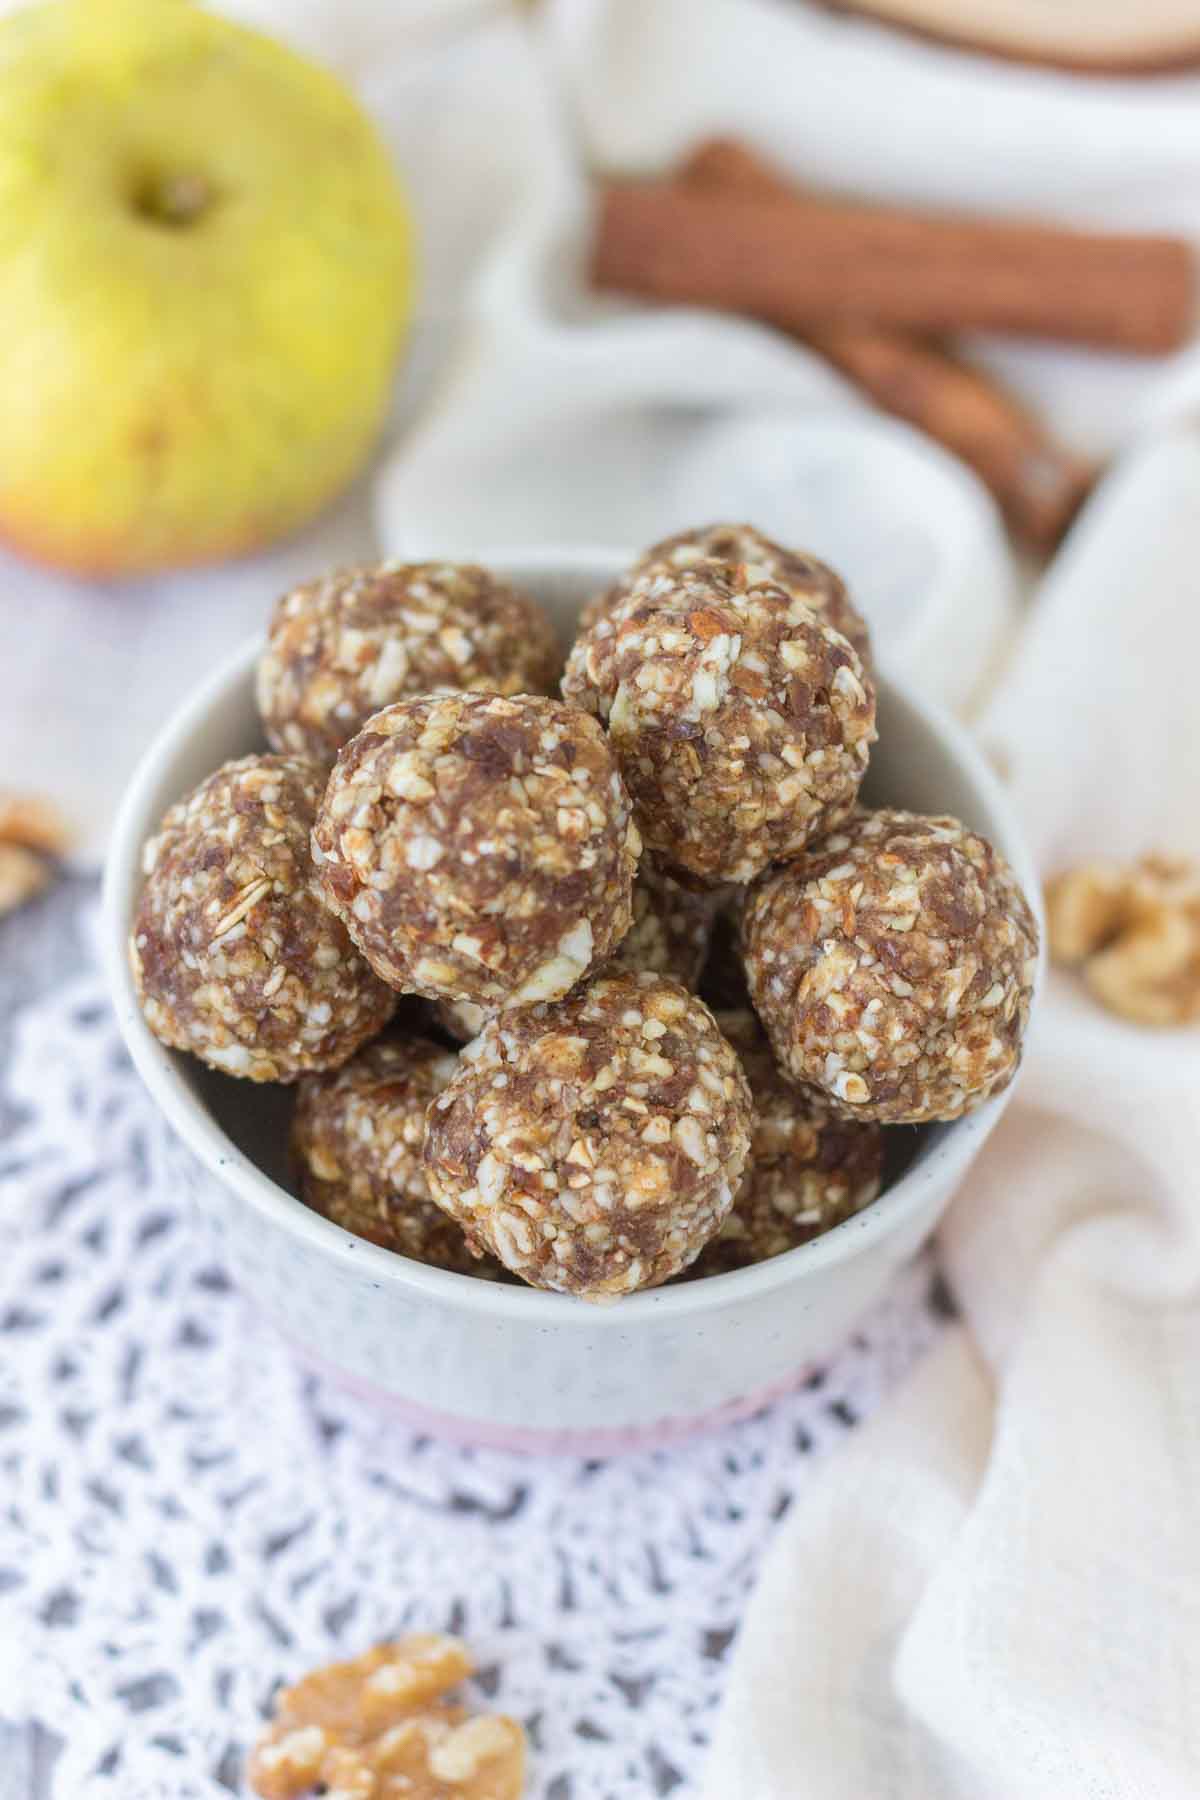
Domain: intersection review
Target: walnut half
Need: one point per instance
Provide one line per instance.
(379, 1728)
(1134, 934)
(32, 835)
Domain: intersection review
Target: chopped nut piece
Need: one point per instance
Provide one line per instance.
(341, 648)
(288, 1760)
(917, 1011)
(475, 1743)
(377, 1728)
(31, 822)
(343, 1698)
(421, 1668)
(32, 835)
(1086, 908)
(1135, 931)
(233, 952)
(808, 1168)
(348, 1774)
(476, 894)
(726, 779)
(500, 1144)
(22, 876)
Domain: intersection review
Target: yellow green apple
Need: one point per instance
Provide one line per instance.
(205, 279)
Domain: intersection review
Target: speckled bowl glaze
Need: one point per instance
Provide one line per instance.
(510, 1365)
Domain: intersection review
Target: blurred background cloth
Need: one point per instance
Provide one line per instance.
(528, 409)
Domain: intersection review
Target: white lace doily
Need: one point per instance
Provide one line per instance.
(186, 1518)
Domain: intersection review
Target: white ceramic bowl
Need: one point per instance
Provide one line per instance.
(507, 1364)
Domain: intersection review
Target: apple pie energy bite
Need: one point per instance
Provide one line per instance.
(357, 1138)
(808, 1168)
(892, 966)
(803, 576)
(741, 722)
(479, 848)
(233, 953)
(341, 648)
(594, 1145)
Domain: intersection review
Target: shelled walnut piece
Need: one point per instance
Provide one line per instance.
(32, 836)
(1134, 934)
(379, 1728)
(23, 876)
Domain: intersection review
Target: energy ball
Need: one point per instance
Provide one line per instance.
(669, 936)
(341, 648)
(803, 576)
(357, 1138)
(234, 955)
(808, 1168)
(595, 1145)
(479, 848)
(892, 966)
(741, 722)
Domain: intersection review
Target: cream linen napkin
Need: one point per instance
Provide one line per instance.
(994, 1594)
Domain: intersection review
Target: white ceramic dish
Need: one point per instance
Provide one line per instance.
(507, 1364)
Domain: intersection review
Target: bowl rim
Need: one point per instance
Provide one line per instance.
(184, 1111)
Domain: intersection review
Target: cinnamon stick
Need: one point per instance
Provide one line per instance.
(1037, 484)
(796, 262)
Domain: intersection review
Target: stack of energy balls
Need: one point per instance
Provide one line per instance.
(555, 880)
